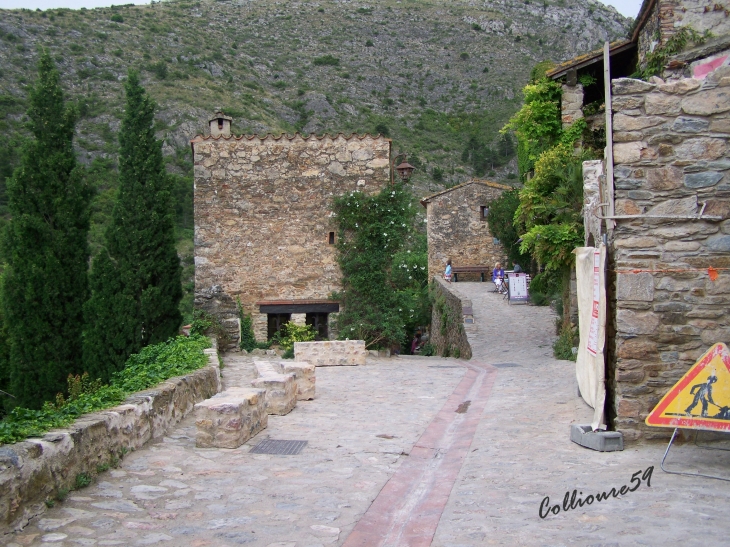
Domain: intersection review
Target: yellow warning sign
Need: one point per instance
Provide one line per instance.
(701, 398)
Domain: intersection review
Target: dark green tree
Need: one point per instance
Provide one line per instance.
(135, 279)
(45, 282)
(501, 225)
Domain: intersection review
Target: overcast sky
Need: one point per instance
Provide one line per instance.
(629, 8)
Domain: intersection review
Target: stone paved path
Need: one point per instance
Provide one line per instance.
(368, 431)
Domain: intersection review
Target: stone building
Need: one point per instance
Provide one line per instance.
(458, 229)
(656, 23)
(672, 225)
(668, 225)
(264, 234)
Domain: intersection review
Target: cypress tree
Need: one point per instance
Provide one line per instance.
(45, 282)
(135, 280)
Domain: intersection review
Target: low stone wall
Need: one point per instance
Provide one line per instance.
(450, 311)
(35, 470)
(331, 354)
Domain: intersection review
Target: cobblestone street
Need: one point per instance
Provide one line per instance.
(397, 457)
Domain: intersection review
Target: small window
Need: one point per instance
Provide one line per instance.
(220, 124)
(332, 238)
(483, 212)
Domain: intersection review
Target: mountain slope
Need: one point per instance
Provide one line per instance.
(430, 74)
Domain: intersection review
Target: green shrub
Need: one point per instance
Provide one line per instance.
(82, 481)
(248, 340)
(326, 60)
(290, 333)
(154, 364)
(117, 18)
(567, 340)
(428, 349)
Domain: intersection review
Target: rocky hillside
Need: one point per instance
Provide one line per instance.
(439, 77)
(431, 74)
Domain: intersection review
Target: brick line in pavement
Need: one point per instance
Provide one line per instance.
(408, 509)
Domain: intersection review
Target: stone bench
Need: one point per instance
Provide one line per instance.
(230, 418)
(281, 389)
(331, 353)
(304, 376)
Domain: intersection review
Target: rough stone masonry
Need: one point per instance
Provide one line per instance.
(672, 180)
(264, 233)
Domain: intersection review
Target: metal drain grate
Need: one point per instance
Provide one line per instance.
(284, 448)
(505, 365)
(443, 366)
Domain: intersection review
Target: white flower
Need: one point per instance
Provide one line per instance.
(385, 234)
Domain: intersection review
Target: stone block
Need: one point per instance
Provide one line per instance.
(659, 103)
(635, 348)
(629, 152)
(632, 322)
(622, 122)
(690, 125)
(678, 207)
(629, 86)
(331, 353)
(680, 87)
(719, 243)
(281, 392)
(627, 103)
(304, 377)
(627, 207)
(704, 179)
(638, 286)
(664, 178)
(708, 102)
(230, 418)
(702, 148)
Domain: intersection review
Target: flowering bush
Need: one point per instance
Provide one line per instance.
(384, 267)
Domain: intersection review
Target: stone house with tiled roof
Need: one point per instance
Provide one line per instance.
(264, 234)
(661, 202)
(457, 226)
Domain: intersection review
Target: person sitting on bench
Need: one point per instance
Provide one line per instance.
(498, 277)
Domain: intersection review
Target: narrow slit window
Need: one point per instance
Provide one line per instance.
(332, 238)
(483, 212)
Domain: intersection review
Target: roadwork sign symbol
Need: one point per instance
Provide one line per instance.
(701, 398)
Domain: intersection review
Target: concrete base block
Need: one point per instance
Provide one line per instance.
(602, 441)
(230, 418)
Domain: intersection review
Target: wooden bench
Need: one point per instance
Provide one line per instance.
(230, 418)
(281, 389)
(456, 270)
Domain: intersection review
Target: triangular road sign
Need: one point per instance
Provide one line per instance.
(701, 398)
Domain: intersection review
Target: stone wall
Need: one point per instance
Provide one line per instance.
(672, 162)
(263, 217)
(451, 310)
(666, 16)
(332, 353)
(456, 229)
(35, 470)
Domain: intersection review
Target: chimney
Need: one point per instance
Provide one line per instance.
(220, 125)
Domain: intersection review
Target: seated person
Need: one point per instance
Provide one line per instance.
(447, 271)
(498, 276)
(516, 267)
